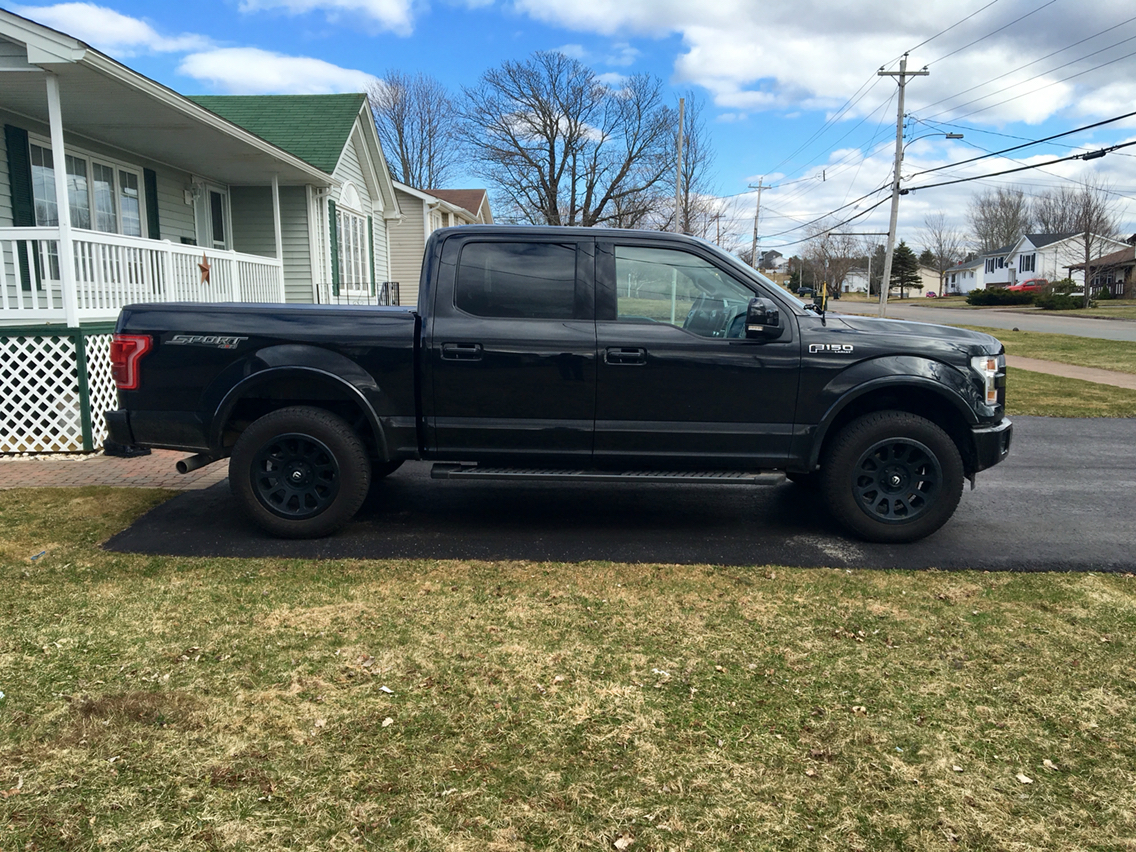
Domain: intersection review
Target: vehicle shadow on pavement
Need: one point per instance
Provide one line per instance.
(1042, 510)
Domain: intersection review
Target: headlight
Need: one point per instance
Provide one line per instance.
(988, 368)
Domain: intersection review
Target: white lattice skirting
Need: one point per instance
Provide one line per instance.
(48, 401)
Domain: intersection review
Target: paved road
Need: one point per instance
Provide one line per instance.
(1048, 507)
(1078, 326)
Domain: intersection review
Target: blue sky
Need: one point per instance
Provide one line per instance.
(790, 87)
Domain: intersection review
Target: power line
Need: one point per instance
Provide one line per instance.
(995, 32)
(1092, 155)
(948, 29)
(1026, 144)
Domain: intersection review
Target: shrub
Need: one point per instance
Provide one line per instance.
(1061, 302)
(998, 296)
(1104, 293)
(1064, 287)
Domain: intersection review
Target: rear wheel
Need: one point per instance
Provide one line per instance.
(300, 472)
(892, 477)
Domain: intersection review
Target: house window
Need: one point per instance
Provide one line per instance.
(354, 252)
(1027, 263)
(101, 196)
(1001, 263)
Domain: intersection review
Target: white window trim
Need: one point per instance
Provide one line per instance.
(354, 250)
(203, 215)
(113, 162)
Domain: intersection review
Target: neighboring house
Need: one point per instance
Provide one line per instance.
(1115, 272)
(772, 260)
(167, 200)
(995, 269)
(965, 277)
(423, 212)
(856, 281)
(337, 242)
(1052, 256)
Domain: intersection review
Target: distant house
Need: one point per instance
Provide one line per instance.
(995, 271)
(1055, 256)
(168, 198)
(772, 260)
(423, 212)
(1114, 272)
(968, 276)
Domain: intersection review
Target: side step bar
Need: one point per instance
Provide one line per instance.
(697, 477)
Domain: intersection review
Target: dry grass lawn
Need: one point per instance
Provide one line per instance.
(168, 704)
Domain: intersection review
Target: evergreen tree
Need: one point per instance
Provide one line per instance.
(927, 258)
(904, 269)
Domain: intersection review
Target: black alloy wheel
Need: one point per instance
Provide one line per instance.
(300, 472)
(295, 476)
(897, 480)
(891, 477)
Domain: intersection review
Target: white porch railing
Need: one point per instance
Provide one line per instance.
(112, 270)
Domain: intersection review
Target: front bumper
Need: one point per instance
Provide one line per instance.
(992, 443)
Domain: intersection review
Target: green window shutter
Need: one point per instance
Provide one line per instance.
(23, 203)
(333, 229)
(150, 178)
(371, 249)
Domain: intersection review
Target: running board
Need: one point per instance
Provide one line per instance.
(696, 477)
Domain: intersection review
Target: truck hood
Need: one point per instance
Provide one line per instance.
(929, 335)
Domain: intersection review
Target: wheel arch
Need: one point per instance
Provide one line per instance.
(276, 387)
(922, 397)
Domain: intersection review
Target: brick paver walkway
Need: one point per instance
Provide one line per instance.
(157, 469)
(153, 471)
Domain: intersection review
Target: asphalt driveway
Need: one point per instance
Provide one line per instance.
(1062, 501)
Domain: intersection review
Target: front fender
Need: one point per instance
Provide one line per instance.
(286, 361)
(892, 374)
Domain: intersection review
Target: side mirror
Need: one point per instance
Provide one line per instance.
(763, 320)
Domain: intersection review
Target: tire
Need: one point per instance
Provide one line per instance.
(923, 470)
(324, 455)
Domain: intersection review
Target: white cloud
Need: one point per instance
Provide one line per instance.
(108, 30)
(397, 16)
(612, 79)
(251, 71)
(787, 54)
(573, 51)
(622, 55)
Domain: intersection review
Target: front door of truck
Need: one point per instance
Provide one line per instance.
(678, 383)
(511, 364)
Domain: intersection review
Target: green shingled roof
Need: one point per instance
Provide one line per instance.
(314, 128)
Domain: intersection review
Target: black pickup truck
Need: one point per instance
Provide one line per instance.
(580, 354)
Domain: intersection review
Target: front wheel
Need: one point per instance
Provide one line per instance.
(300, 472)
(892, 477)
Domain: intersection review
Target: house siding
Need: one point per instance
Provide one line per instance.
(297, 249)
(175, 217)
(379, 249)
(6, 219)
(350, 169)
(408, 242)
(253, 228)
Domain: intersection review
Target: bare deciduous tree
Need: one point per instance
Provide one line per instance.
(945, 243)
(998, 217)
(1054, 211)
(564, 148)
(832, 256)
(417, 123)
(1093, 215)
(698, 209)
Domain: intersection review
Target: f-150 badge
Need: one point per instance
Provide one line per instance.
(215, 340)
(830, 347)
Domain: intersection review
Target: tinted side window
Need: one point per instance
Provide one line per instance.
(530, 280)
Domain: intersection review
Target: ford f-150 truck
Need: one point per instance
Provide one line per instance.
(563, 353)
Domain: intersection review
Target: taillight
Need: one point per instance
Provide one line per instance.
(126, 350)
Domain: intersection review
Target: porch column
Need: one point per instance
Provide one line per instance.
(279, 231)
(62, 204)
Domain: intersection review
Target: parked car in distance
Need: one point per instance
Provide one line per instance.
(932, 295)
(1032, 285)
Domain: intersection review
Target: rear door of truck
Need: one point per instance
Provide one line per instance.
(511, 350)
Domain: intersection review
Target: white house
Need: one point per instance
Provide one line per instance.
(1053, 256)
(964, 277)
(167, 199)
(423, 212)
(995, 269)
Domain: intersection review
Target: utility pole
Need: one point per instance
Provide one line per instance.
(678, 168)
(756, 215)
(902, 74)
